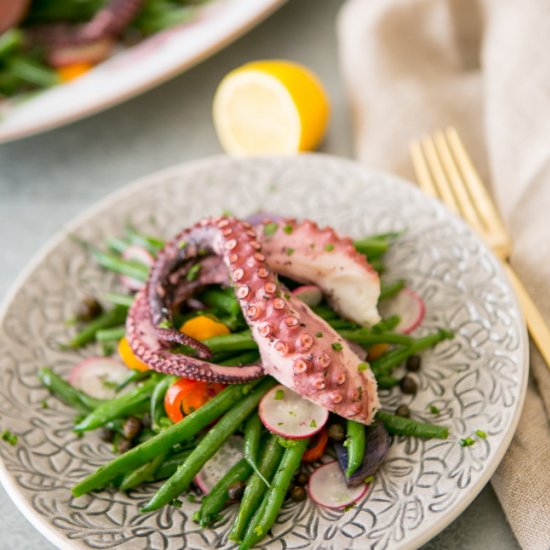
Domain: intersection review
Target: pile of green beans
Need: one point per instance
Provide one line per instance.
(175, 453)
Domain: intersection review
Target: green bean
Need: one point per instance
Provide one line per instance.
(171, 464)
(134, 376)
(325, 312)
(372, 247)
(252, 436)
(109, 319)
(67, 393)
(116, 244)
(391, 289)
(245, 358)
(386, 381)
(387, 324)
(378, 265)
(11, 40)
(151, 244)
(273, 499)
(110, 334)
(256, 488)
(406, 426)
(208, 446)
(387, 362)
(30, 70)
(130, 268)
(119, 406)
(157, 401)
(125, 300)
(212, 504)
(355, 443)
(179, 432)
(366, 338)
(142, 474)
(223, 300)
(239, 341)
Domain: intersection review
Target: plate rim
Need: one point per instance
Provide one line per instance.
(268, 7)
(39, 522)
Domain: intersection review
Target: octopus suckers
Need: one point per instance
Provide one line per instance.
(336, 397)
(279, 303)
(270, 287)
(231, 244)
(259, 257)
(265, 329)
(300, 366)
(323, 360)
(319, 383)
(291, 321)
(243, 291)
(238, 274)
(306, 341)
(281, 347)
(233, 258)
(263, 273)
(223, 223)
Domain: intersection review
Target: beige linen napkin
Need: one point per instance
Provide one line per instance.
(412, 66)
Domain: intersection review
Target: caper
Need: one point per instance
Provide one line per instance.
(124, 445)
(403, 410)
(106, 435)
(298, 494)
(131, 427)
(88, 309)
(301, 479)
(408, 385)
(337, 433)
(413, 364)
(235, 490)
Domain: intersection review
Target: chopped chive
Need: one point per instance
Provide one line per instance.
(481, 434)
(318, 334)
(280, 423)
(176, 503)
(193, 273)
(363, 366)
(270, 229)
(368, 480)
(9, 438)
(313, 424)
(433, 409)
(165, 324)
(44, 404)
(288, 229)
(191, 498)
(467, 442)
(279, 394)
(290, 251)
(182, 245)
(329, 247)
(227, 213)
(336, 346)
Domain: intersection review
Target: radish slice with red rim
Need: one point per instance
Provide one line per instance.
(225, 458)
(138, 254)
(327, 487)
(311, 295)
(97, 376)
(409, 306)
(285, 413)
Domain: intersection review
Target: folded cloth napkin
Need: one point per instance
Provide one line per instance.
(413, 66)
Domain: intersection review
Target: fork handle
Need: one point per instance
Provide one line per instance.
(538, 329)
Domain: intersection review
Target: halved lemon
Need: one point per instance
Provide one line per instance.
(267, 107)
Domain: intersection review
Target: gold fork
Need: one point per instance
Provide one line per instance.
(444, 170)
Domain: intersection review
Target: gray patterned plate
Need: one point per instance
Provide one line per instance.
(477, 380)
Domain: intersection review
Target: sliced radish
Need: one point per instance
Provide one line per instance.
(409, 306)
(94, 52)
(311, 295)
(225, 458)
(327, 487)
(138, 254)
(285, 413)
(96, 376)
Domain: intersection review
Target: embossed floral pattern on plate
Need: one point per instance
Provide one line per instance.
(476, 380)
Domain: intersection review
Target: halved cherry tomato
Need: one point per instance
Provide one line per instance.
(375, 351)
(203, 327)
(185, 396)
(319, 443)
(128, 357)
(72, 71)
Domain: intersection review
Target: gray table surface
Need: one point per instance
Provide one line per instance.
(48, 179)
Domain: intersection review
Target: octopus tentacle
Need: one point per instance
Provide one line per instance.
(142, 335)
(307, 253)
(297, 347)
(108, 22)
